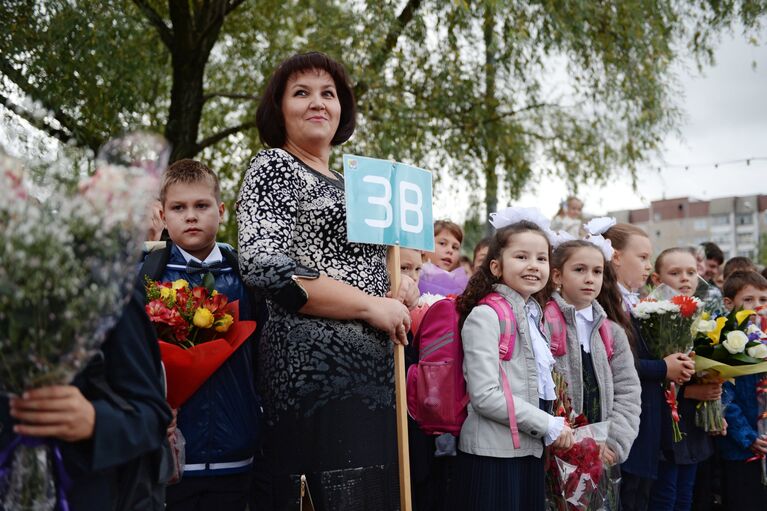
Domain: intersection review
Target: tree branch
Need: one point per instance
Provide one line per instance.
(230, 95)
(233, 4)
(213, 139)
(390, 41)
(76, 131)
(166, 34)
(34, 120)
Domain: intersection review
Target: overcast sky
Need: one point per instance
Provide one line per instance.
(725, 119)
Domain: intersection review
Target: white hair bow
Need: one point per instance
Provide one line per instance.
(513, 215)
(605, 245)
(559, 237)
(599, 225)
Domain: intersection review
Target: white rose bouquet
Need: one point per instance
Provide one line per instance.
(727, 346)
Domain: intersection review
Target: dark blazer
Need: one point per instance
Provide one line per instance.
(127, 435)
(645, 453)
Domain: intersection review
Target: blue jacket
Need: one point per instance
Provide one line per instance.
(221, 422)
(740, 411)
(645, 452)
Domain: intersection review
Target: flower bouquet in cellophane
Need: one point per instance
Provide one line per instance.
(577, 479)
(71, 241)
(726, 347)
(665, 321)
(198, 329)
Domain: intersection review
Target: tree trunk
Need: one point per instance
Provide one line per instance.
(491, 106)
(194, 35)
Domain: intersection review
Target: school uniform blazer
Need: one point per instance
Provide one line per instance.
(619, 388)
(486, 429)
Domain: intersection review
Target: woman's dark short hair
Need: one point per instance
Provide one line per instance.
(269, 119)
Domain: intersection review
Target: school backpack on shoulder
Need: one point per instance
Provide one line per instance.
(558, 330)
(436, 389)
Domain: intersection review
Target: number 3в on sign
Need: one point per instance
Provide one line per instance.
(388, 203)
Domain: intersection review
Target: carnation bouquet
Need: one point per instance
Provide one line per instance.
(726, 347)
(665, 322)
(67, 265)
(198, 328)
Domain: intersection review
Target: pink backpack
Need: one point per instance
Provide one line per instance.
(558, 330)
(436, 390)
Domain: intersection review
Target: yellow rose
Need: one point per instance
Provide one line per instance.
(213, 293)
(180, 284)
(166, 292)
(223, 324)
(203, 318)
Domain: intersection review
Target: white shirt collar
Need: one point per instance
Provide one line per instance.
(629, 297)
(586, 313)
(214, 256)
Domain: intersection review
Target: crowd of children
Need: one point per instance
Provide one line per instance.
(571, 296)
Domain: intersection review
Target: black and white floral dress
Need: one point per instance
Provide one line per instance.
(327, 384)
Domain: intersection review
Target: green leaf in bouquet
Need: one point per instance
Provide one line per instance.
(209, 282)
(719, 353)
(704, 349)
(743, 359)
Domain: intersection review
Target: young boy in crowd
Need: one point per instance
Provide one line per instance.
(741, 485)
(221, 421)
(443, 274)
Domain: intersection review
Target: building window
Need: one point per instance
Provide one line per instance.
(720, 219)
(657, 217)
(745, 238)
(744, 219)
(746, 253)
(700, 225)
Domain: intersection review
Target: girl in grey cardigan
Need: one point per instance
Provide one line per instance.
(601, 387)
(493, 472)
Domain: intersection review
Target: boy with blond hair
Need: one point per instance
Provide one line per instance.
(221, 421)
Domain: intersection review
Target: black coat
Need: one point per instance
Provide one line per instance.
(127, 435)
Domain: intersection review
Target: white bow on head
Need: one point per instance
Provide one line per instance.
(513, 215)
(605, 245)
(559, 237)
(599, 225)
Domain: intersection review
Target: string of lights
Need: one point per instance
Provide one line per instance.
(714, 164)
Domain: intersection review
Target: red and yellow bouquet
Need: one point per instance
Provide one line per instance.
(198, 328)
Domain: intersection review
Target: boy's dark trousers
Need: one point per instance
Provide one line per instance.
(742, 488)
(210, 493)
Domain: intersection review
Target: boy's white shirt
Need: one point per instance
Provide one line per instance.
(215, 255)
(584, 324)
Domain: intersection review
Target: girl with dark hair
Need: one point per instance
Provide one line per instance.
(491, 472)
(631, 263)
(603, 386)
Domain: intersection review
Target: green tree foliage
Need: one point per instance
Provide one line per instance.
(497, 93)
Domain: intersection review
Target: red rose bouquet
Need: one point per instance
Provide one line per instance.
(577, 479)
(198, 328)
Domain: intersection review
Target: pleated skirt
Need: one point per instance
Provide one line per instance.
(484, 483)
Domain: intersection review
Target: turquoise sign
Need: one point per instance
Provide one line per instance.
(388, 203)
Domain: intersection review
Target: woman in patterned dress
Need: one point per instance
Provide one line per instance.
(325, 365)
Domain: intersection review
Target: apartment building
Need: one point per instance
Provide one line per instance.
(737, 224)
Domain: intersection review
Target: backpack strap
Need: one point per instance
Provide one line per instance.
(606, 333)
(558, 331)
(505, 349)
(154, 265)
(507, 320)
(557, 328)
